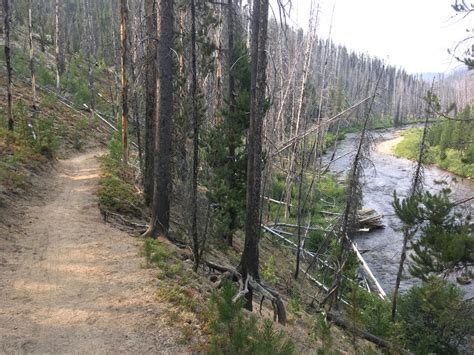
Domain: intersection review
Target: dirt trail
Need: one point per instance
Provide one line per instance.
(69, 283)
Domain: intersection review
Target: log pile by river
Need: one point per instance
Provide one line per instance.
(368, 219)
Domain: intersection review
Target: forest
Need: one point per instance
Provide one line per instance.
(201, 176)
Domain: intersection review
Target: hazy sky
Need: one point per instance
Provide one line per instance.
(413, 34)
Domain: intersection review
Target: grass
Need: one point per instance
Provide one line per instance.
(117, 192)
(448, 159)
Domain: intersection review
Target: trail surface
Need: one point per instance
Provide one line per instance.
(71, 284)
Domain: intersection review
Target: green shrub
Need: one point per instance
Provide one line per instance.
(268, 271)
(373, 312)
(435, 317)
(117, 192)
(232, 332)
(322, 330)
(45, 75)
(48, 139)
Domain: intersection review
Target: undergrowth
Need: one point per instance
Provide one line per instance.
(450, 159)
(234, 332)
(117, 192)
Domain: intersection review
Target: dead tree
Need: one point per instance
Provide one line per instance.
(249, 263)
(7, 14)
(232, 105)
(160, 213)
(353, 202)
(133, 76)
(90, 50)
(124, 59)
(31, 63)
(56, 44)
(150, 99)
(195, 119)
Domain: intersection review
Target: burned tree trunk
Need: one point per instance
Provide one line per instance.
(31, 63)
(7, 14)
(124, 55)
(90, 48)
(249, 264)
(150, 100)
(194, 197)
(56, 44)
(160, 214)
(232, 106)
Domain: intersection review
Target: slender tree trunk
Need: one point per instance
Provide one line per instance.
(150, 100)
(90, 53)
(232, 105)
(124, 55)
(160, 215)
(7, 14)
(56, 44)
(32, 63)
(194, 231)
(408, 234)
(135, 98)
(249, 264)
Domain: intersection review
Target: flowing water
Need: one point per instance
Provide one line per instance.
(386, 173)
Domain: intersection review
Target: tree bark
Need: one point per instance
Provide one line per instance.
(194, 197)
(90, 53)
(232, 105)
(56, 44)
(150, 100)
(249, 264)
(32, 63)
(7, 14)
(160, 214)
(124, 54)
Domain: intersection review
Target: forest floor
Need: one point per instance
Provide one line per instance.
(70, 283)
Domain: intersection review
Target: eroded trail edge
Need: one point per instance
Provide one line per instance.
(70, 283)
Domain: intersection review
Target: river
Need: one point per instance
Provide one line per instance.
(381, 248)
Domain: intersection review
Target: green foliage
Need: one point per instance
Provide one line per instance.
(115, 146)
(232, 332)
(45, 75)
(449, 141)
(157, 254)
(294, 303)
(322, 330)
(117, 192)
(15, 155)
(434, 317)
(226, 154)
(444, 243)
(268, 271)
(372, 312)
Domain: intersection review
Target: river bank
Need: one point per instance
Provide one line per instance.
(449, 159)
(387, 173)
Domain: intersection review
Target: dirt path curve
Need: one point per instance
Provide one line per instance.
(72, 284)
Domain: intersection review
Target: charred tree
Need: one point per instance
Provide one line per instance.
(232, 108)
(195, 119)
(56, 44)
(7, 14)
(124, 60)
(150, 100)
(31, 63)
(249, 264)
(160, 214)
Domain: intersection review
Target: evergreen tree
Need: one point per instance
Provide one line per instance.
(226, 153)
(445, 242)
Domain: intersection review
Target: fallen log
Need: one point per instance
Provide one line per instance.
(362, 333)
